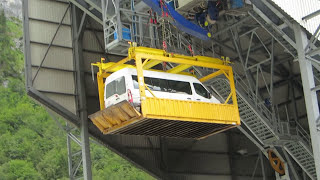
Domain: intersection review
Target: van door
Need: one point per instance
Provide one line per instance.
(115, 92)
(201, 93)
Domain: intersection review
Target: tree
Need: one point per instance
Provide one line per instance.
(11, 59)
(18, 170)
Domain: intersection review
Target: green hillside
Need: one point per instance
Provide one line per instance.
(31, 144)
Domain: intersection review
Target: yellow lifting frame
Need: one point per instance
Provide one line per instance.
(153, 107)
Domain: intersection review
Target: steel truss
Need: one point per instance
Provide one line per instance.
(295, 139)
(310, 89)
(74, 153)
(74, 147)
(263, 124)
(78, 25)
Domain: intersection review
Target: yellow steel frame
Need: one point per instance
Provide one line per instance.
(157, 108)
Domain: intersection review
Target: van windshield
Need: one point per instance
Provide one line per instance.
(200, 90)
(117, 86)
(165, 85)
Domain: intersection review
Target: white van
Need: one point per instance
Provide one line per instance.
(123, 85)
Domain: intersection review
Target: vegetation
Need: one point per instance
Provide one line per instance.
(31, 144)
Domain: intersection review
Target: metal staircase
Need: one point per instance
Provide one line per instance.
(258, 120)
(275, 32)
(302, 156)
(275, 23)
(252, 118)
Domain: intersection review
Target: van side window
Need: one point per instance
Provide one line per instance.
(179, 87)
(171, 86)
(117, 86)
(135, 82)
(159, 84)
(147, 81)
(200, 90)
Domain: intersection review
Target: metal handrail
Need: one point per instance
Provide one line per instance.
(303, 134)
(277, 125)
(240, 83)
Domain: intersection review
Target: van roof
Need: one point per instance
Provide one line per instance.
(156, 74)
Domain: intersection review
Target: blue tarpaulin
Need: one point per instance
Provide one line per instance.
(179, 21)
(236, 4)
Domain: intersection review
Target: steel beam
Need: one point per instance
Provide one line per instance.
(314, 52)
(81, 26)
(27, 45)
(94, 13)
(289, 101)
(288, 159)
(283, 82)
(236, 43)
(230, 155)
(81, 103)
(262, 166)
(96, 4)
(312, 15)
(313, 39)
(310, 96)
(73, 162)
(240, 22)
(69, 158)
(293, 94)
(272, 78)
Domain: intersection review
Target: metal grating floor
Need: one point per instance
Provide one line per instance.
(173, 128)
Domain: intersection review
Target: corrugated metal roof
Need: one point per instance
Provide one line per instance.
(298, 9)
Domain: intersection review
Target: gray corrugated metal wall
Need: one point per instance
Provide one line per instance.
(55, 79)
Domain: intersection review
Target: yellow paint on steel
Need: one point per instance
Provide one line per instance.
(145, 62)
(183, 67)
(211, 60)
(121, 66)
(117, 68)
(116, 64)
(150, 91)
(195, 111)
(210, 76)
(101, 90)
(179, 68)
(150, 64)
(225, 74)
(141, 83)
(186, 61)
(123, 114)
(145, 50)
(233, 91)
(225, 102)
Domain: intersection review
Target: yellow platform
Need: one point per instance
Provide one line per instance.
(166, 117)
